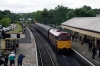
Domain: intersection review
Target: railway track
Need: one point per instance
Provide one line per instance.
(44, 57)
(69, 61)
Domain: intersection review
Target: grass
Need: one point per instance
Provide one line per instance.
(16, 30)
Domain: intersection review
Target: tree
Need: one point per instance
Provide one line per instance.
(87, 7)
(70, 14)
(1, 15)
(5, 22)
(6, 13)
(85, 11)
(91, 13)
(45, 16)
(37, 16)
(97, 11)
(60, 14)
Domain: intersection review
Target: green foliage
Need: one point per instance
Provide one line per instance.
(38, 16)
(85, 11)
(97, 11)
(1, 15)
(17, 30)
(87, 7)
(90, 13)
(70, 14)
(5, 22)
(61, 13)
(53, 16)
(2, 51)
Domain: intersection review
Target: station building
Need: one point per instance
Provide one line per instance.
(14, 39)
(84, 26)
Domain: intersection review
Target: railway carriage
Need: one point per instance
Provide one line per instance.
(43, 29)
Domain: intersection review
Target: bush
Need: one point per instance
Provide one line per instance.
(2, 51)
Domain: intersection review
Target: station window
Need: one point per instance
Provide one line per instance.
(8, 43)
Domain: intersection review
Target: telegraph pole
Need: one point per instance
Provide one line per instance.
(13, 20)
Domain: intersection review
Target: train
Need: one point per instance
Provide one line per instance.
(61, 40)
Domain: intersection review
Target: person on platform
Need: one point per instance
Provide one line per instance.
(72, 37)
(6, 57)
(90, 45)
(94, 51)
(20, 59)
(17, 44)
(1, 61)
(99, 50)
(13, 48)
(12, 58)
(76, 36)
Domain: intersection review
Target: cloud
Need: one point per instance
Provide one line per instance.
(19, 6)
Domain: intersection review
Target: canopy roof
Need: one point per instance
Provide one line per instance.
(88, 23)
(85, 25)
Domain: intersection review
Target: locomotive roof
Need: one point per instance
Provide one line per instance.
(44, 26)
(56, 32)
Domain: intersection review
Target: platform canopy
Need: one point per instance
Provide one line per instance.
(85, 25)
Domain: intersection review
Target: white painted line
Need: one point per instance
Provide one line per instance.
(34, 43)
(84, 58)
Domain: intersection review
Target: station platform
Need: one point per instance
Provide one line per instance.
(28, 48)
(83, 50)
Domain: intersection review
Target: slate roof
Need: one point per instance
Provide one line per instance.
(87, 23)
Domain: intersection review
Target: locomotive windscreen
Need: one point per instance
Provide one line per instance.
(63, 37)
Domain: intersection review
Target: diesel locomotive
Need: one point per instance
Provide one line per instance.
(61, 40)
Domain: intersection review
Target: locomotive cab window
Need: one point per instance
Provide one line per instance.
(64, 37)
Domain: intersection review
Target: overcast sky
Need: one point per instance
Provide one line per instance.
(25, 6)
